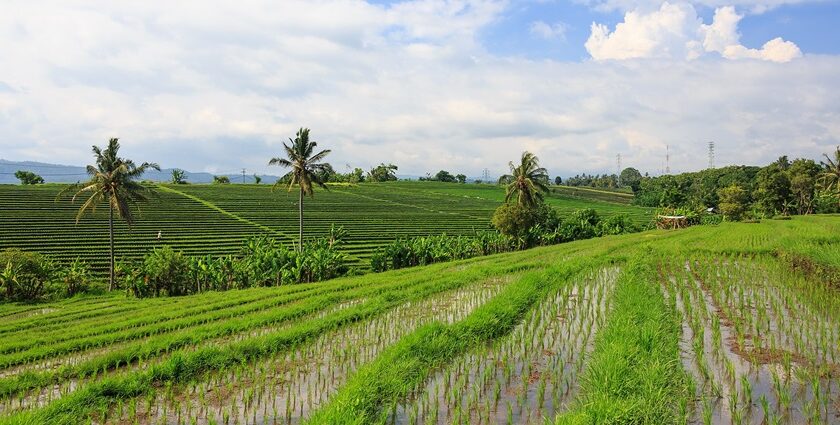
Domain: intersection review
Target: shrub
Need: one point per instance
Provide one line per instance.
(615, 225)
(516, 220)
(24, 276)
(76, 278)
(166, 271)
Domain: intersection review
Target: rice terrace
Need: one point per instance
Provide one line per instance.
(416, 212)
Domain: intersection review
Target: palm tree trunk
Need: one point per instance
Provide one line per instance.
(111, 239)
(300, 219)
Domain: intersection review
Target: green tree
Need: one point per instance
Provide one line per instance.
(257, 179)
(28, 177)
(445, 176)
(772, 193)
(734, 202)
(461, 178)
(631, 177)
(383, 173)
(112, 181)
(830, 175)
(803, 179)
(221, 180)
(558, 180)
(179, 176)
(527, 181)
(306, 170)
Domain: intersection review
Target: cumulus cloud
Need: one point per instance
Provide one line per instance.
(549, 31)
(220, 88)
(675, 31)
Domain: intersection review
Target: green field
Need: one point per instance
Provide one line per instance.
(737, 323)
(215, 219)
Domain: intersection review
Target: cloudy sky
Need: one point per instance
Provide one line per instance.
(461, 85)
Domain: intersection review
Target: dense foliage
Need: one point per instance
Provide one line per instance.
(520, 227)
(784, 187)
(28, 177)
(261, 262)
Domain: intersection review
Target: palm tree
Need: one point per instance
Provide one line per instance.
(112, 180)
(306, 169)
(830, 175)
(527, 181)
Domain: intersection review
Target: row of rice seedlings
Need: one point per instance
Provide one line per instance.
(119, 333)
(524, 378)
(142, 317)
(758, 356)
(287, 387)
(38, 396)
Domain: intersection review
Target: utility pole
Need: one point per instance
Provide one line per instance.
(667, 160)
(243, 175)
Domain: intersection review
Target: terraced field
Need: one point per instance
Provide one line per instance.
(215, 219)
(591, 331)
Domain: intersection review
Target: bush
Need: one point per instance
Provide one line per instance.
(615, 225)
(77, 278)
(516, 220)
(24, 276)
(434, 249)
(165, 271)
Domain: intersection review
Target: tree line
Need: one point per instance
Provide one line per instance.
(784, 187)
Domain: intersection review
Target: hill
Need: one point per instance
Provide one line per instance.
(554, 333)
(54, 173)
(215, 219)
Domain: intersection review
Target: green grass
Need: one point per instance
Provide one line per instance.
(216, 354)
(215, 219)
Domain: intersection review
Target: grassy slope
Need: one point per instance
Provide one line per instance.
(213, 219)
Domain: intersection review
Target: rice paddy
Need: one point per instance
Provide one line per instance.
(216, 219)
(736, 323)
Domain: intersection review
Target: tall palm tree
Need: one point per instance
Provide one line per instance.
(112, 180)
(527, 181)
(831, 171)
(830, 175)
(306, 169)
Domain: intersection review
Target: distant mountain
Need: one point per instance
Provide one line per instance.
(54, 173)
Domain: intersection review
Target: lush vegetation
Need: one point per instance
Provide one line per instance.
(785, 187)
(736, 321)
(202, 220)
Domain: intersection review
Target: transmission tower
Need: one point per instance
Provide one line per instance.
(243, 175)
(711, 154)
(618, 164)
(667, 160)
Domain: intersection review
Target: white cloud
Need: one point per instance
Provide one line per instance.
(754, 6)
(219, 88)
(549, 31)
(675, 31)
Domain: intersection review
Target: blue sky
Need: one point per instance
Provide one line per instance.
(461, 85)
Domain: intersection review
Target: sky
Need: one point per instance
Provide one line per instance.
(461, 85)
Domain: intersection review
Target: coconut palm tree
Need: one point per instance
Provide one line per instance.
(306, 170)
(830, 175)
(112, 180)
(527, 181)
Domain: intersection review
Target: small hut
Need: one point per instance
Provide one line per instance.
(671, 221)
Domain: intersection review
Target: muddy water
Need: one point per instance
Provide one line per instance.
(528, 376)
(747, 352)
(287, 388)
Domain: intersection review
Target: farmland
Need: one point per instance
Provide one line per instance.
(215, 219)
(736, 323)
